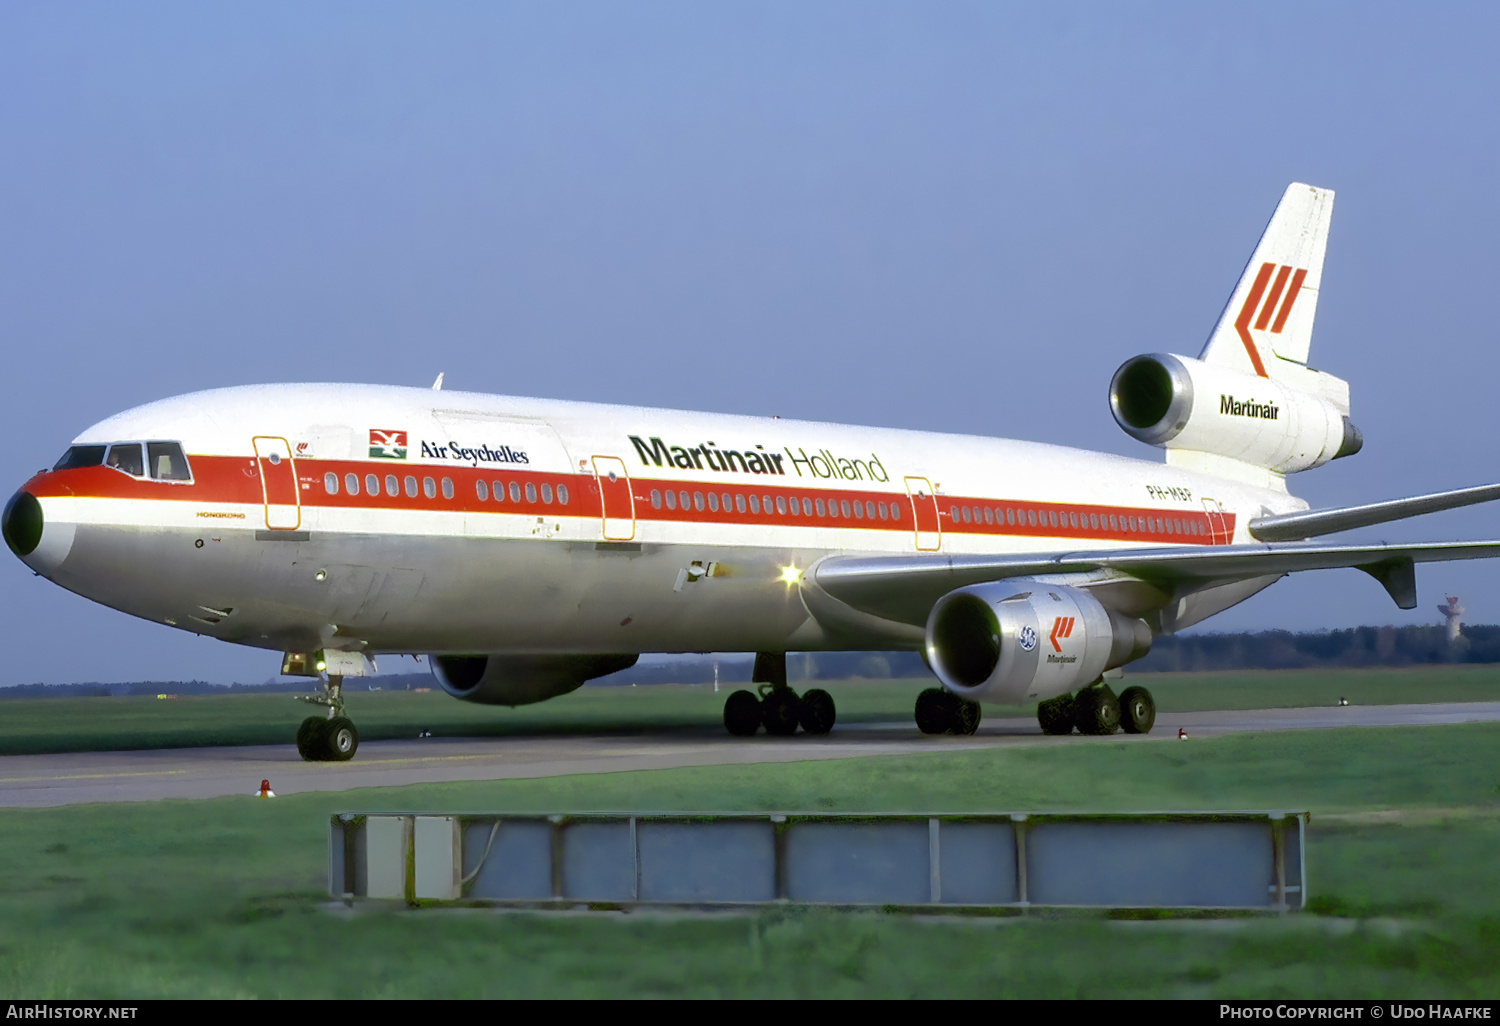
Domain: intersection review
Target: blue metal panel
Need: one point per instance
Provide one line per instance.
(858, 863)
(519, 865)
(707, 861)
(1162, 863)
(977, 863)
(598, 861)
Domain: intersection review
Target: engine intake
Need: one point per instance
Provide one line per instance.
(1020, 641)
(1177, 402)
(521, 679)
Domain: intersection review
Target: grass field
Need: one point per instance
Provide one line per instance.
(225, 898)
(109, 724)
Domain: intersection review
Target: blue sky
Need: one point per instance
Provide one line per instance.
(947, 216)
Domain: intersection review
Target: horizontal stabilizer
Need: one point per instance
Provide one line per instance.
(1314, 522)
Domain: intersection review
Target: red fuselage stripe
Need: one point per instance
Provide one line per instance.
(237, 480)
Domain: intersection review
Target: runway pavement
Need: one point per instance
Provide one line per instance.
(34, 781)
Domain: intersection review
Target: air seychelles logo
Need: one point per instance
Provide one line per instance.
(387, 445)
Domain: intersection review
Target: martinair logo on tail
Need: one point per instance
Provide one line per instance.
(387, 445)
(1280, 291)
(1062, 627)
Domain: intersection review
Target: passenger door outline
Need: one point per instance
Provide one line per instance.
(278, 482)
(616, 498)
(924, 511)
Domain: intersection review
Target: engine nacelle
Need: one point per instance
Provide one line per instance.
(1177, 402)
(1023, 641)
(521, 679)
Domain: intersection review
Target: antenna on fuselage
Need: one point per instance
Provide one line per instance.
(437, 386)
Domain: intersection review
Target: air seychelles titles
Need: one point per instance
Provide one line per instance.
(759, 460)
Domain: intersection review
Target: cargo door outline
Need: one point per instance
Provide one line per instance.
(924, 510)
(1218, 533)
(616, 498)
(278, 482)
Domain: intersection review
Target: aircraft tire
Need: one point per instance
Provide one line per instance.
(1096, 710)
(341, 741)
(818, 712)
(742, 713)
(780, 711)
(933, 714)
(310, 743)
(1137, 711)
(966, 716)
(1056, 715)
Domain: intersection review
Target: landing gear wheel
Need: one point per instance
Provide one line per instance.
(818, 713)
(742, 713)
(933, 714)
(1056, 715)
(966, 716)
(310, 744)
(1137, 711)
(1096, 710)
(780, 711)
(341, 741)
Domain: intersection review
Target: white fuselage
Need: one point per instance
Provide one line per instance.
(389, 519)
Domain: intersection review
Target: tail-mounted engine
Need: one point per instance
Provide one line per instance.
(521, 679)
(1177, 402)
(1020, 641)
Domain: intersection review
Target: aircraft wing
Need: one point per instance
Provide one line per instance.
(904, 588)
(1314, 522)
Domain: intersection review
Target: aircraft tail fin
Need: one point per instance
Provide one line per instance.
(1267, 324)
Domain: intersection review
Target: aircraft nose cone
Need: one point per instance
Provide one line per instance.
(22, 523)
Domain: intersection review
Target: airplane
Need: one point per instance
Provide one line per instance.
(526, 546)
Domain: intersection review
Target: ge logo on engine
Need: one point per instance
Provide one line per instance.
(1027, 638)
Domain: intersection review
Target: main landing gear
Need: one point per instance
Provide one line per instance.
(332, 737)
(943, 712)
(776, 706)
(1096, 710)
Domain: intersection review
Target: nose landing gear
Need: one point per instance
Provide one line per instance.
(332, 737)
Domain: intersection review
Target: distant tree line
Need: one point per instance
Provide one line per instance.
(1266, 650)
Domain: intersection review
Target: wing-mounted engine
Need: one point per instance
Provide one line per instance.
(1021, 640)
(1297, 421)
(521, 679)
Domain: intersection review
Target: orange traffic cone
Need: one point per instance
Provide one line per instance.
(265, 790)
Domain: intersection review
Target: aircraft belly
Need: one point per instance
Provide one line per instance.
(444, 594)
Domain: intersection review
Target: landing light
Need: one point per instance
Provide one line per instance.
(790, 574)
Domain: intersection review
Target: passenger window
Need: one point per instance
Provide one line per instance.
(880, 508)
(739, 503)
(447, 487)
(351, 484)
(126, 458)
(895, 511)
(81, 456)
(331, 483)
(807, 507)
(754, 504)
(656, 498)
(562, 495)
(429, 487)
(781, 504)
(411, 486)
(713, 502)
(792, 505)
(392, 487)
(698, 501)
(546, 493)
(765, 501)
(167, 462)
(372, 484)
(966, 516)
(989, 515)
(683, 500)
(726, 502)
(671, 499)
(530, 491)
(481, 491)
(515, 491)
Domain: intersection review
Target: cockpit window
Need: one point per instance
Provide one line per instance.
(167, 462)
(81, 456)
(126, 458)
